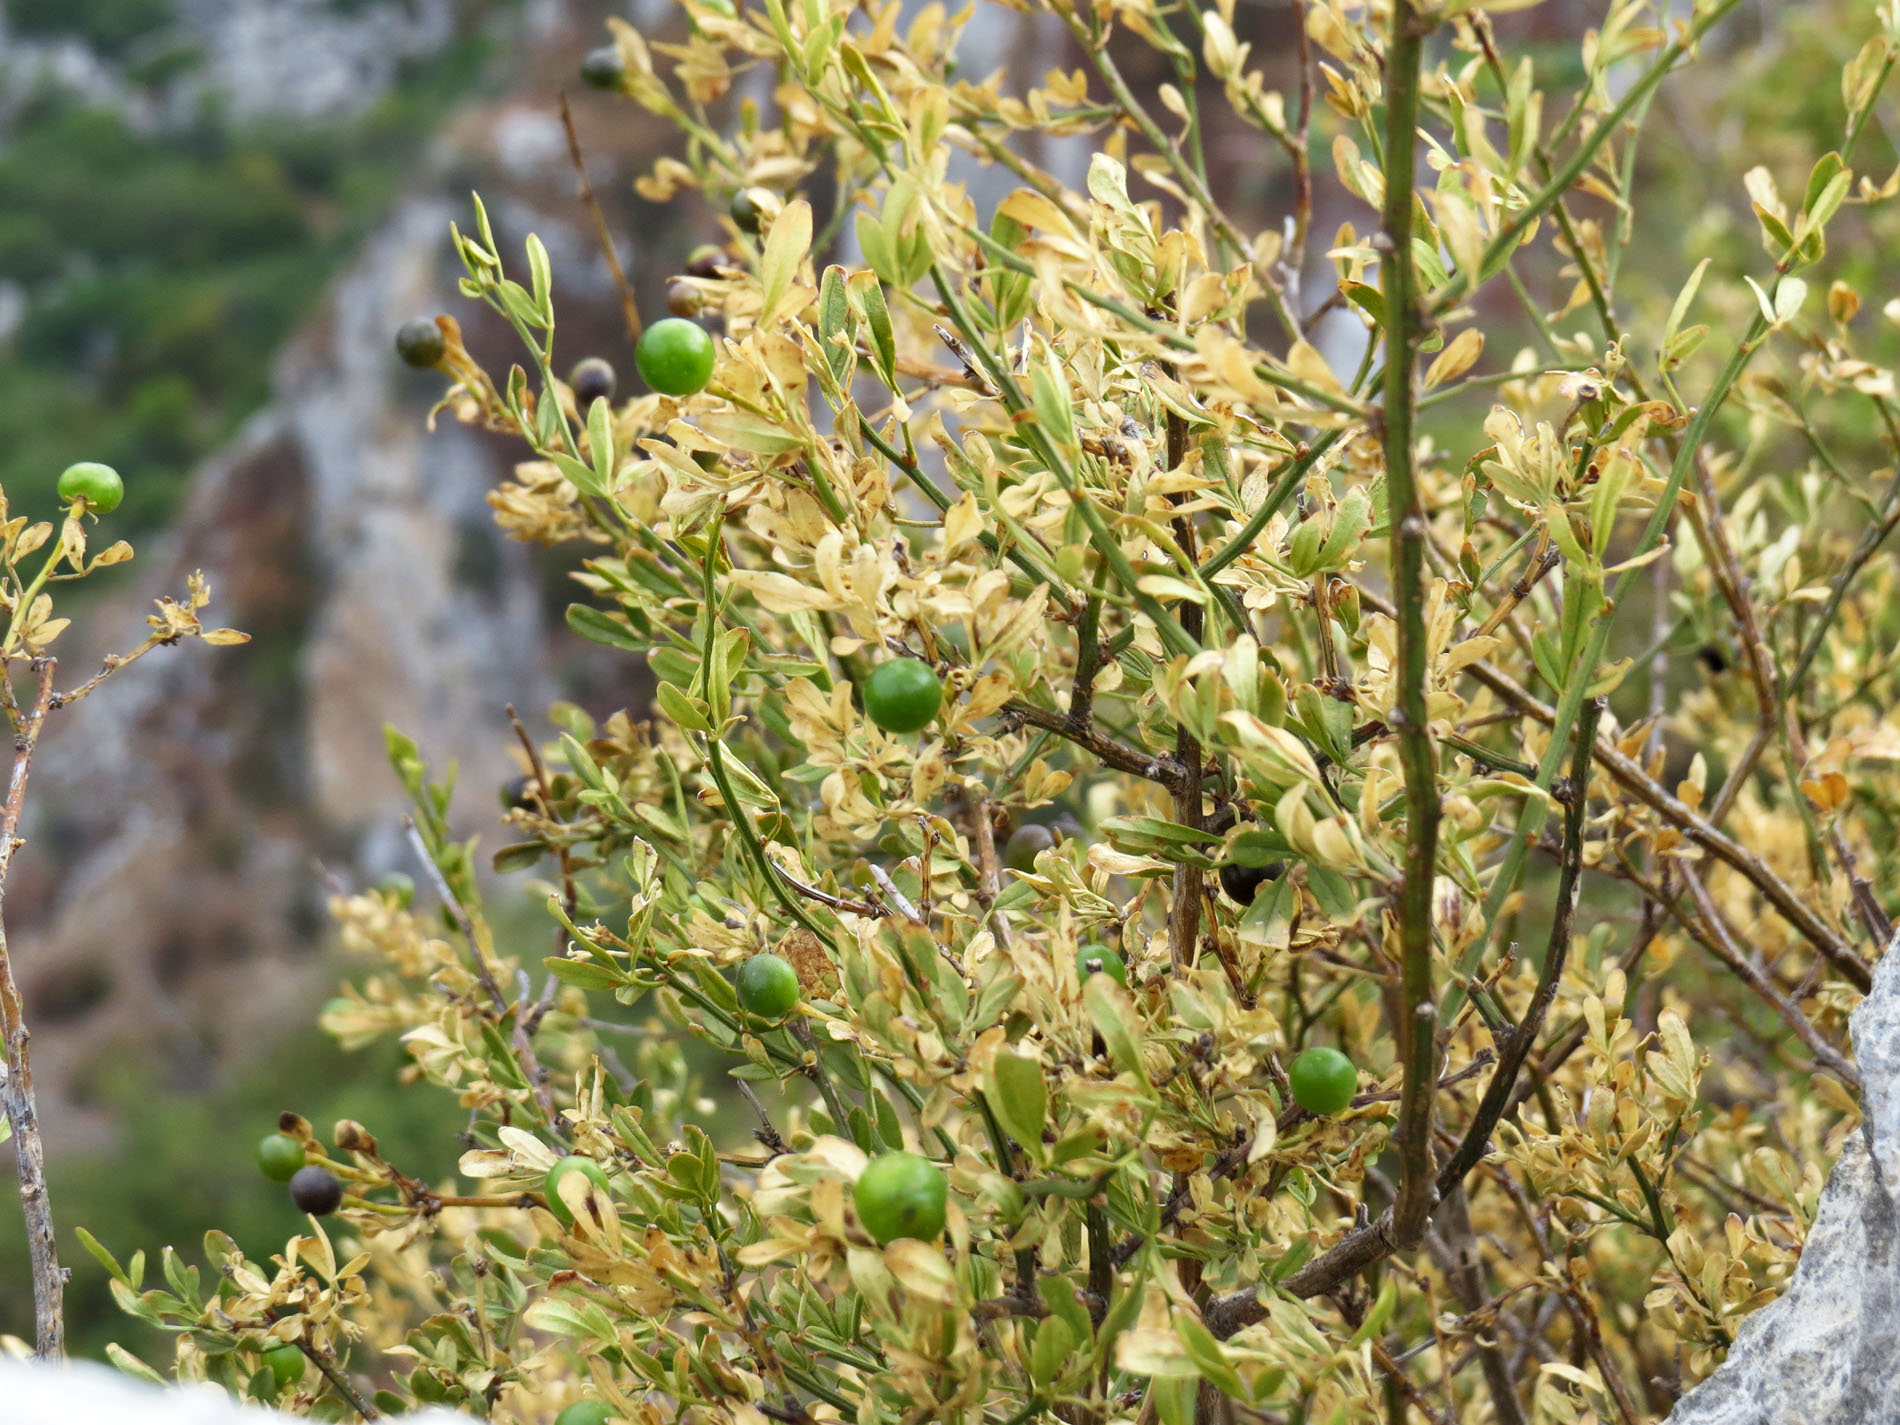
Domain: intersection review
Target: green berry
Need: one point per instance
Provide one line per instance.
(419, 343)
(573, 1163)
(1024, 844)
(1100, 960)
(316, 1191)
(675, 356)
(98, 485)
(279, 1156)
(768, 987)
(286, 1365)
(584, 1412)
(901, 1195)
(1323, 1081)
(902, 695)
(603, 68)
(720, 7)
(401, 886)
(591, 379)
(747, 212)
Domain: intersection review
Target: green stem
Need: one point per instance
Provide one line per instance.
(1405, 517)
(1283, 490)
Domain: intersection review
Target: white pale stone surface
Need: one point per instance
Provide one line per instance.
(86, 1394)
(1827, 1351)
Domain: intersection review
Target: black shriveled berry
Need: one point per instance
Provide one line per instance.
(316, 1191)
(1243, 883)
(591, 379)
(705, 261)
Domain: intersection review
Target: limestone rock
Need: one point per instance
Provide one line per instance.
(83, 1392)
(1823, 1353)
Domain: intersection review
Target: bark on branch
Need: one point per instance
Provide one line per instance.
(49, 1278)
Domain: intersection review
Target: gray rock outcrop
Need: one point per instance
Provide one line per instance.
(1827, 1351)
(86, 1394)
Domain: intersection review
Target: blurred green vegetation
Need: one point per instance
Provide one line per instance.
(162, 270)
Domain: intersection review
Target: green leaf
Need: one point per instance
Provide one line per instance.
(1054, 1348)
(1019, 1099)
(684, 710)
(600, 440)
(1113, 1016)
(500, 1057)
(876, 248)
(132, 1365)
(603, 628)
(1049, 390)
(834, 322)
(584, 974)
(98, 1251)
(580, 476)
(1216, 1369)
(785, 249)
(868, 297)
(518, 856)
(543, 278)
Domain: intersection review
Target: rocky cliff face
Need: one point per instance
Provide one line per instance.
(188, 802)
(182, 819)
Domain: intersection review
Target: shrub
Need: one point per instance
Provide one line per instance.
(1223, 602)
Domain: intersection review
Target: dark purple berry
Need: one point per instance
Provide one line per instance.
(316, 1191)
(1243, 883)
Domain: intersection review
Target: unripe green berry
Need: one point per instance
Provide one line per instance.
(573, 1163)
(98, 485)
(1323, 1081)
(901, 1195)
(768, 987)
(279, 1156)
(584, 1412)
(1024, 844)
(902, 695)
(401, 886)
(1100, 960)
(675, 356)
(286, 1365)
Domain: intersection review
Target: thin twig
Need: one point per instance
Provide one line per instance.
(1517, 1046)
(338, 1381)
(628, 307)
(1123, 758)
(1755, 975)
